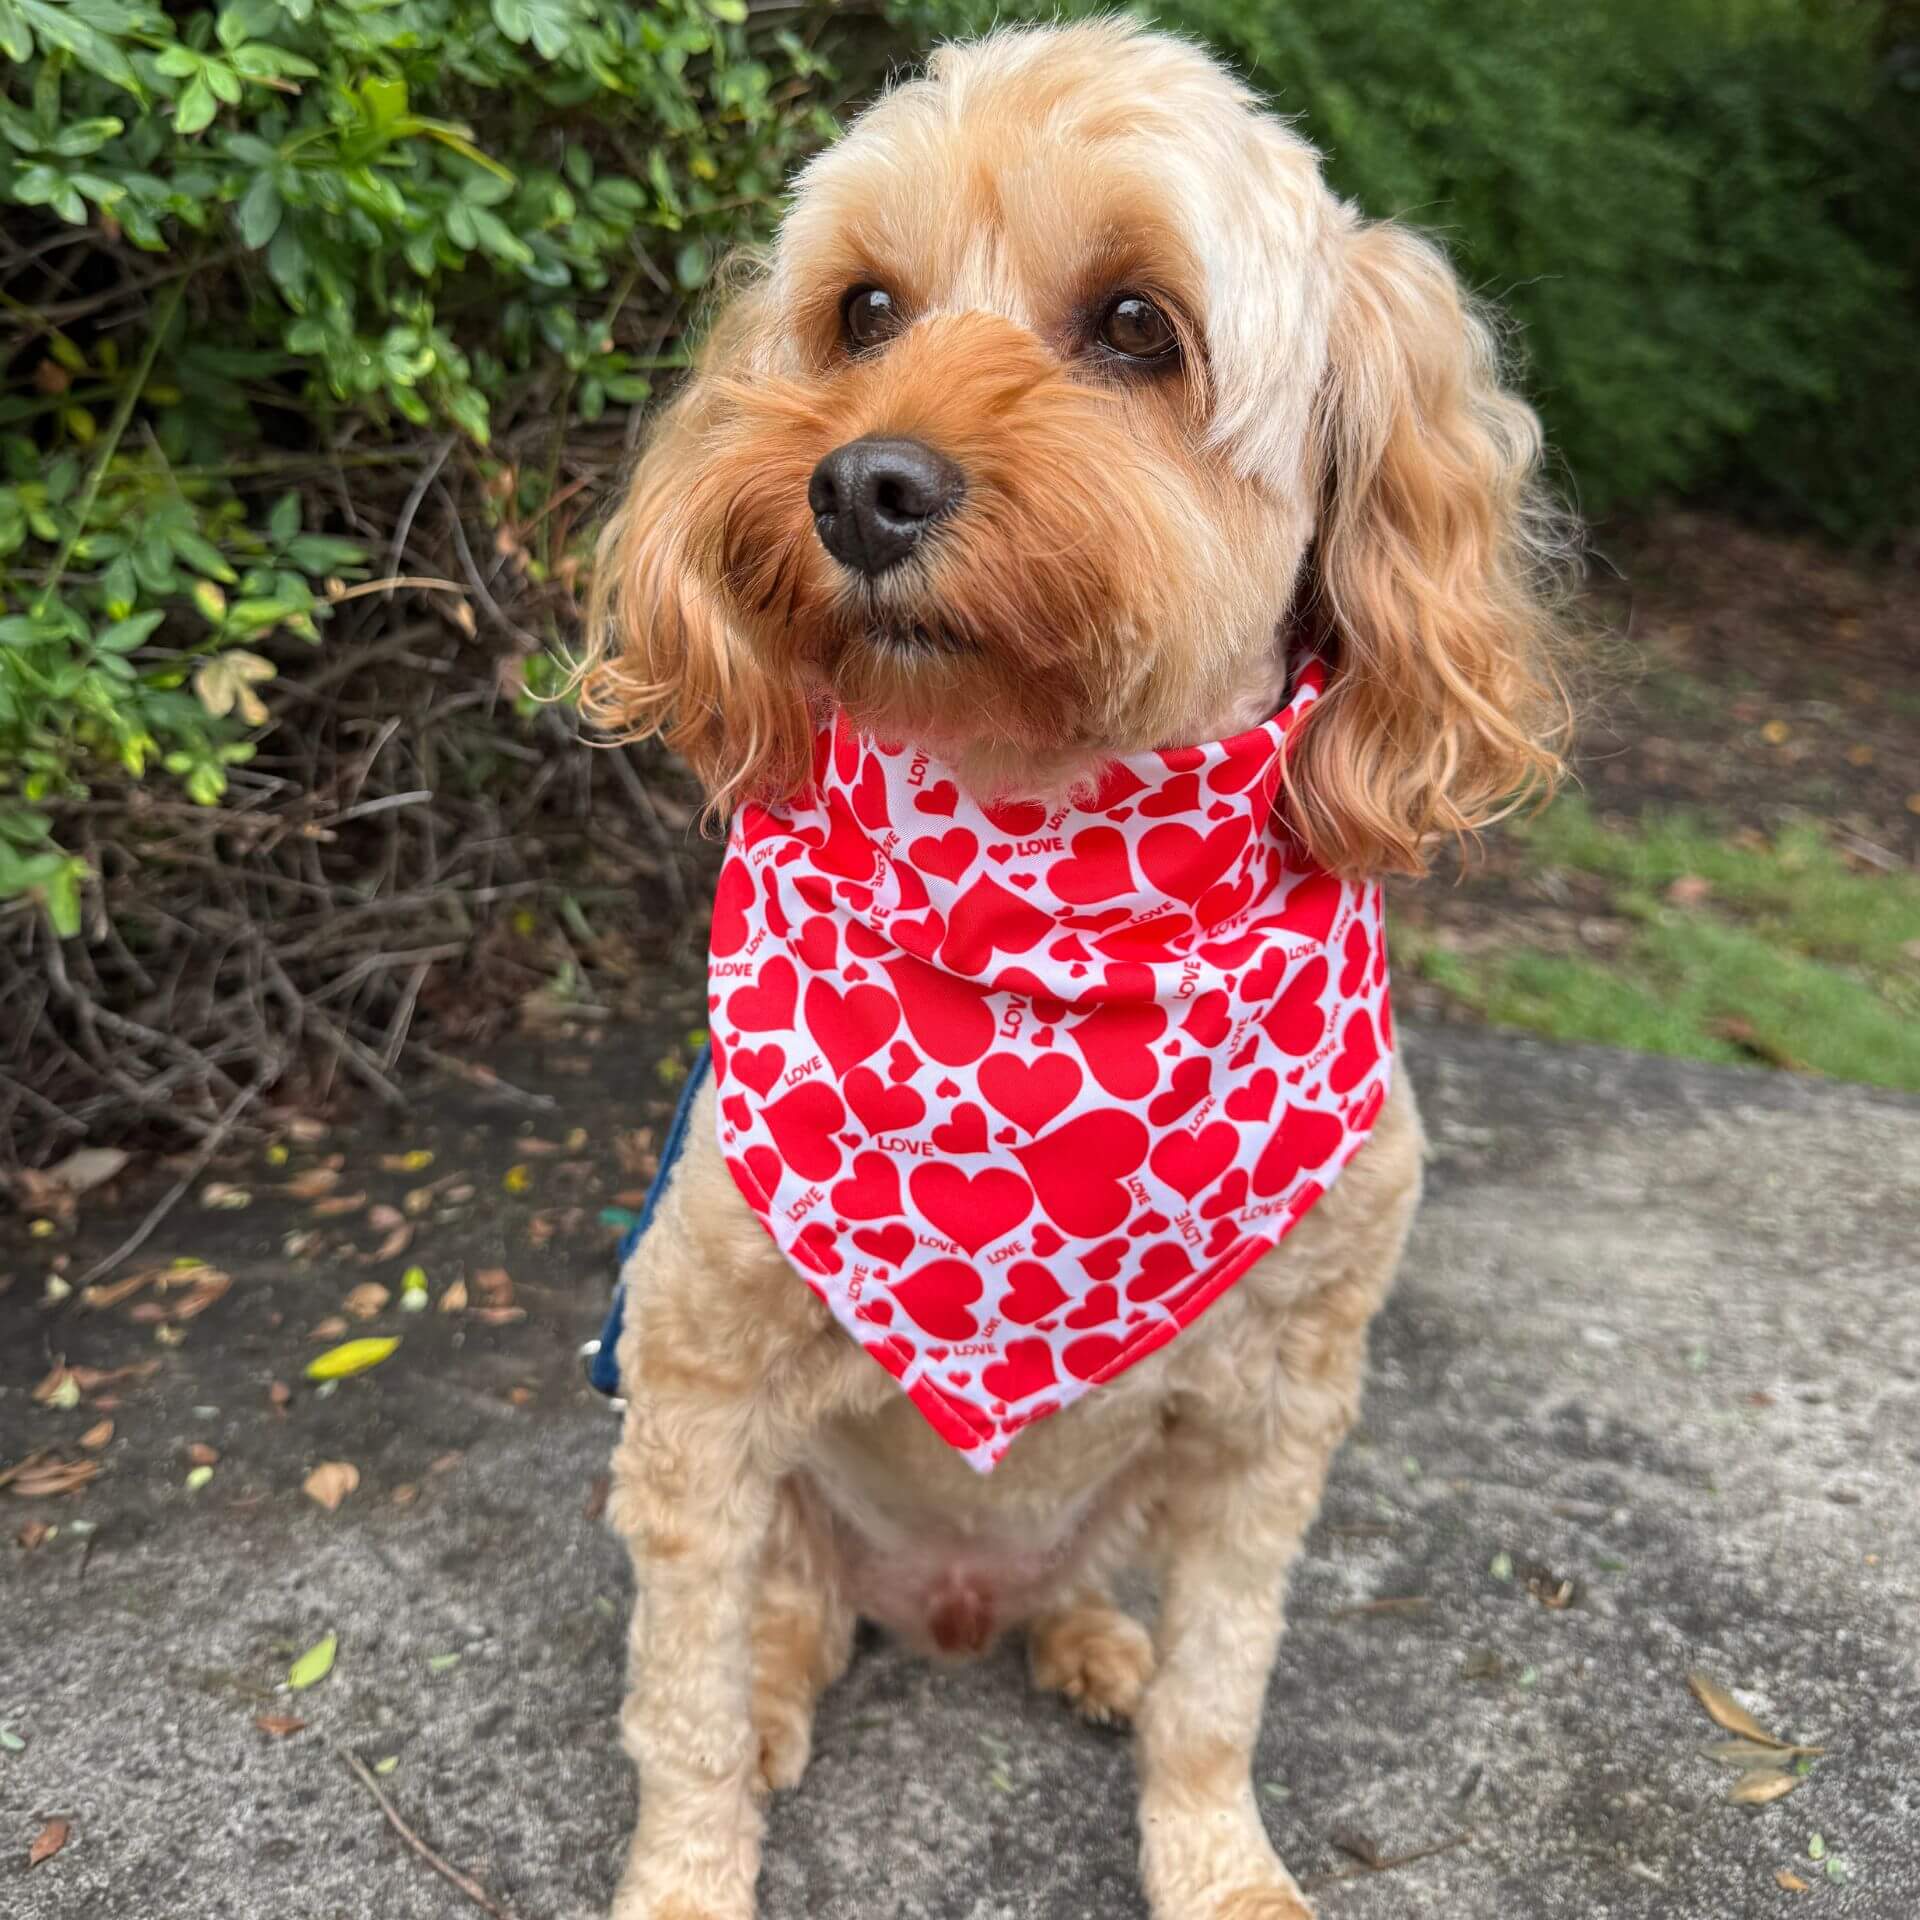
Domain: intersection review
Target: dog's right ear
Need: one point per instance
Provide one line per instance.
(662, 656)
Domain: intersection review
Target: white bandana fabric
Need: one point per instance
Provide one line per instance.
(1021, 1092)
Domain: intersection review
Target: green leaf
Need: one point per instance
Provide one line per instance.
(260, 212)
(196, 106)
(201, 554)
(314, 1665)
(124, 635)
(81, 137)
(62, 26)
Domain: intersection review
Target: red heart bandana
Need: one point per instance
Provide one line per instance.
(1022, 1092)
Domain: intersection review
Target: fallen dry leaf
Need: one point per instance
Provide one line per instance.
(47, 1479)
(93, 1378)
(331, 1328)
(497, 1316)
(1763, 1786)
(330, 1483)
(61, 1387)
(1790, 1881)
(338, 1204)
(199, 1454)
(415, 1162)
(520, 1396)
(50, 1839)
(1725, 1711)
(20, 1466)
(405, 1494)
(86, 1168)
(279, 1394)
(1689, 891)
(314, 1184)
(495, 1285)
(224, 1197)
(110, 1293)
(454, 1300)
(34, 1534)
(383, 1218)
(445, 1462)
(1754, 1753)
(303, 1243)
(278, 1725)
(97, 1435)
(393, 1246)
(367, 1300)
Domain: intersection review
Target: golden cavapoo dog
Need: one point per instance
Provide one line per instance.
(1070, 421)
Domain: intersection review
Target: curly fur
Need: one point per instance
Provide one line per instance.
(1335, 464)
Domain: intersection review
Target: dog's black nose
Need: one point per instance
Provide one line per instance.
(873, 499)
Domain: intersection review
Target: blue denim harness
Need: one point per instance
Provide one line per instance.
(603, 1364)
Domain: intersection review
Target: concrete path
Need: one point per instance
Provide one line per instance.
(1658, 1338)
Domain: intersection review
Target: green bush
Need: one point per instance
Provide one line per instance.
(255, 245)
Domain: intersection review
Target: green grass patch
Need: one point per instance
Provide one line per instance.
(1791, 956)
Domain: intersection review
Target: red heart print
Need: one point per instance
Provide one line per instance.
(813, 1247)
(947, 854)
(938, 1296)
(1159, 1269)
(1024, 881)
(846, 852)
(766, 1004)
(1295, 1021)
(1087, 1357)
(1356, 952)
(1190, 1162)
(1100, 1306)
(1017, 817)
(1006, 1136)
(853, 973)
(987, 919)
(880, 1312)
(941, 798)
(803, 1124)
(870, 796)
(1032, 1293)
(975, 1210)
(947, 1089)
(1046, 1243)
(1180, 795)
(1359, 1049)
(731, 899)
(1077, 1170)
(1231, 954)
(873, 1192)
(1224, 1234)
(889, 1245)
(1103, 1262)
(1218, 811)
(952, 1022)
(1146, 940)
(920, 937)
(1183, 863)
(910, 891)
(1117, 1040)
(849, 1027)
(963, 1131)
(1229, 1198)
(1153, 1221)
(764, 1169)
(1310, 908)
(1224, 902)
(1029, 1093)
(1304, 1138)
(862, 939)
(1096, 868)
(902, 1062)
(1208, 1019)
(881, 1108)
(1255, 1100)
(739, 1114)
(1368, 1110)
(757, 1067)
(1026, 1367)
(818, 944)
(813, 890)
(1185, 1091)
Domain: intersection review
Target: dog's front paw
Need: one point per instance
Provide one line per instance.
(1262, 1903)
(1098, 1657)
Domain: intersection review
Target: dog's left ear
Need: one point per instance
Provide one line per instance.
(1437, 575)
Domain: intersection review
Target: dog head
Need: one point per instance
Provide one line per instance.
(1068, 404)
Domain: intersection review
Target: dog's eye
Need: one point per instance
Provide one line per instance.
(868, 316)
(1135, 328)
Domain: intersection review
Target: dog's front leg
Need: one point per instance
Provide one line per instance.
(695, 1505)
(719, 1403)
(1243, 1494)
